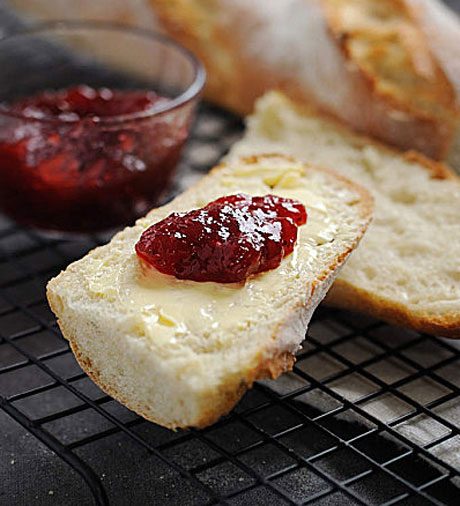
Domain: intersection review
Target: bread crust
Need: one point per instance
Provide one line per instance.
(428, 132)
(237, 78)
(234, 85)
(442, 28)
(222, 402)
(343, 295)
(437, 170)
(270, 362)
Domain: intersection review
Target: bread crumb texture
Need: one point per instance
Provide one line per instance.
(181, 353)
(407, 268)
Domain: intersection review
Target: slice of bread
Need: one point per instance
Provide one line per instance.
(182, 353)
(407, 269)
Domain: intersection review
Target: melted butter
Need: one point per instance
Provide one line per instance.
(170, 309)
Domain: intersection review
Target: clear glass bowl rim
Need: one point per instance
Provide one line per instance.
(192, 91)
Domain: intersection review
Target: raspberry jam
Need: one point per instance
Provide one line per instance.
(227, 241)
(68, 161)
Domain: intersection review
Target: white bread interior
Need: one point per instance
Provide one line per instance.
(182, 353)
(407, 268)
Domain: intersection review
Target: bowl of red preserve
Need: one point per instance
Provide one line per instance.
(93, 118)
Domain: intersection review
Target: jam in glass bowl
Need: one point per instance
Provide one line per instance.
(93, 118)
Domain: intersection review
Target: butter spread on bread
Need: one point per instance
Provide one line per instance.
(181, 353)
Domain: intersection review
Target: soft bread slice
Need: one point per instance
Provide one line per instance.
(182, 353)
(407, 269)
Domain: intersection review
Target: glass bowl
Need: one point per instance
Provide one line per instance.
(91, 173)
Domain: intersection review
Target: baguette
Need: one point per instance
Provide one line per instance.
(407, 269)
(371, 63)
(442, 29)
(182, 353)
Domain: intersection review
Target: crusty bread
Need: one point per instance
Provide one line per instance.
(182, 353)
(368, 62)
(407, 268)
(442, 30)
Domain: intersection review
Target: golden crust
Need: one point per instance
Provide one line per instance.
(438, 170)
(386, 44)
(346, 296)
(232, 81)
(220, 403)
(236, 80)
(426, 95)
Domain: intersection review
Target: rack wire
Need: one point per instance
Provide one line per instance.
(369, 415)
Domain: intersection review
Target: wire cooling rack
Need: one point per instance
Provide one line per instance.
(370, 414)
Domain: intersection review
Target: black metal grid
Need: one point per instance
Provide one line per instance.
(364, 418)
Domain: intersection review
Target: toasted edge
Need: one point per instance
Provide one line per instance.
(343, 295)
(221, 402)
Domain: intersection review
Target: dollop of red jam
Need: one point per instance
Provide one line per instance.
(226, 241)
(66, 165)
